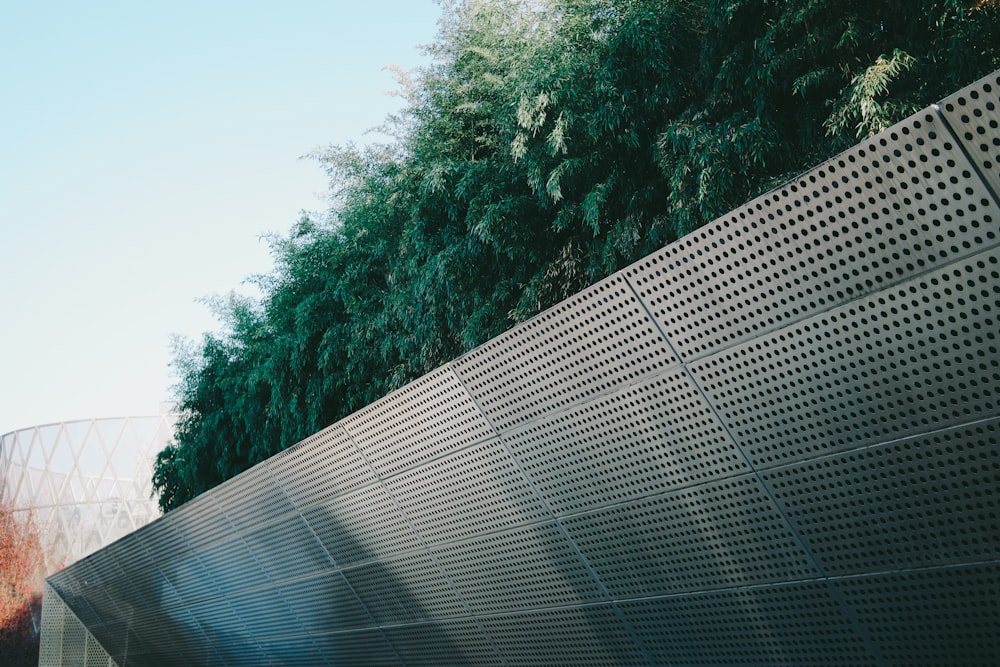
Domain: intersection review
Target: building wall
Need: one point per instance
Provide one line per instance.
(86, 482)
(775, 441)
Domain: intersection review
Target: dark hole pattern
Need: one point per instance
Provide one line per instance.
(486, 492)
(255, 498)
(361, 526)
(974, 113)
(573, 636)
(325, 603)
(902, 203)
(653, 436)
(724, 533)
(794, 624)
(523, 568)
(427, 594)
(320, 468)
(421, 644)
(588, 345)
(815, 485)
(938, 617)
(929, 500)
(913, 358)
(420, 421)
(366, 647)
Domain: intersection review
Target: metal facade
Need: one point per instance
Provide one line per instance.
(775, 441)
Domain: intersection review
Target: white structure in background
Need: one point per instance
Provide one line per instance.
(87, 482)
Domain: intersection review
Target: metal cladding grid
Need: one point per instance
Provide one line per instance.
(589, 344)
(974, 114)
(903, 202)
(813, 481)
(914, 357)
(425, 419)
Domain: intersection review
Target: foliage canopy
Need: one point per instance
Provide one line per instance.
(549, 143)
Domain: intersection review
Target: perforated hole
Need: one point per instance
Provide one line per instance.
(974, 113)
(525, 568)
(265, 614)
(914, 358)
(289, 652)
(717, 534)
(651, 437)
(251, 498)
(232, 567)
(587, 345)
(201, 522)
(899, 204)
(361, 526)
(569, 636)
(321, 467)
(938, 617)
(796, 624)
(446, 643)
(476, 490)
(96, 655)
(405, 589)
(917, 502)
(219, 621)
(325, 604)
(422, 420)
(50, 645)
(367, 647)
(287, 549)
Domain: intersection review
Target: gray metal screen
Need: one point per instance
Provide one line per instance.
(775, 441)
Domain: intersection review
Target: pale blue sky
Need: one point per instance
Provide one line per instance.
(144, 149)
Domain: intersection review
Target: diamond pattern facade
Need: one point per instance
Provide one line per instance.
(87, 483)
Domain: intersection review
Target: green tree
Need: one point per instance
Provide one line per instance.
(549, 143)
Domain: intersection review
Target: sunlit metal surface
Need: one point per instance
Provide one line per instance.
(776, 441)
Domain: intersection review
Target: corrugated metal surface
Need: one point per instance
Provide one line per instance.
(776, 441)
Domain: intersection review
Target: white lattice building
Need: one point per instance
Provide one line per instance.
(87, 482)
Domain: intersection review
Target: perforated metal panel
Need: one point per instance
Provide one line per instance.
(526, 568)
(287, 548)
(67, 642)
(445, 643)
(899, 204)
(362, 526)
(974, 114)
(943, 616)
(813, 481)
(420, 421)
(404, 589)
(720, 534)
(653, 436)
(587, 345)
(321, 467)
(788, 624)
(486, 491)
(912, 358)
(326, 604)
(928, 500)
(593, 635)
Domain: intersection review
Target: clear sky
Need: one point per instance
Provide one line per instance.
(145, 148)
